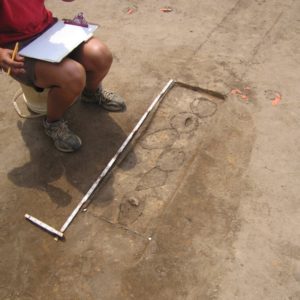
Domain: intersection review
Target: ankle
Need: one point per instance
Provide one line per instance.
(50, 121)
(88, 91)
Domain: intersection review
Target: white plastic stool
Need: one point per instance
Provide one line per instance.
(35, 101)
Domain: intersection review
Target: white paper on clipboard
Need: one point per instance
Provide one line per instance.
(58, 41)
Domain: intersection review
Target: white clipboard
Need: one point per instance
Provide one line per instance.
(58, 41)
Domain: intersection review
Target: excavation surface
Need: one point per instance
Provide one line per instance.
(205, 204)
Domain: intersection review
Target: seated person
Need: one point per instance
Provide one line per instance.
(80, 74)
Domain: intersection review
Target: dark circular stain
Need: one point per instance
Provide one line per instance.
(203, 107)
(184, 122)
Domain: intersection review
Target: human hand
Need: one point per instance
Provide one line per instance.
(6, 62)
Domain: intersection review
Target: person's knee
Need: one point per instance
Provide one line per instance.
(74, 76)
(99, 54)
(106, 55)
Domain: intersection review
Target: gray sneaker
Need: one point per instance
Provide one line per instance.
(64, 139)
(107, 100)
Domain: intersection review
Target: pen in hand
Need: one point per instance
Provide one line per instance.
(16, 49)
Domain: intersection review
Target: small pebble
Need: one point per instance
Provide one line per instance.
(133, 201)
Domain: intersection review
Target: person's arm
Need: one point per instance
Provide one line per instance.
(6, 62)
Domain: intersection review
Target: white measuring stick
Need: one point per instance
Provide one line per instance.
(113, 160)
(44, 225)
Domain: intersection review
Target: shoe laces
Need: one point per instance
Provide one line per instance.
(62, 129)
(106, 97)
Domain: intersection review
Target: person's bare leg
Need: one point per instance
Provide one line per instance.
(96, 59)
(66, 80)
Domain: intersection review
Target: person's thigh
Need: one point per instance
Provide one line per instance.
(41, 74)
(28, 77)
(67, 72)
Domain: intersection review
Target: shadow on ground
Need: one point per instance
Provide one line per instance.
(48, 168)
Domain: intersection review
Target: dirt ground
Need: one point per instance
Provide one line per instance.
(206, 203)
